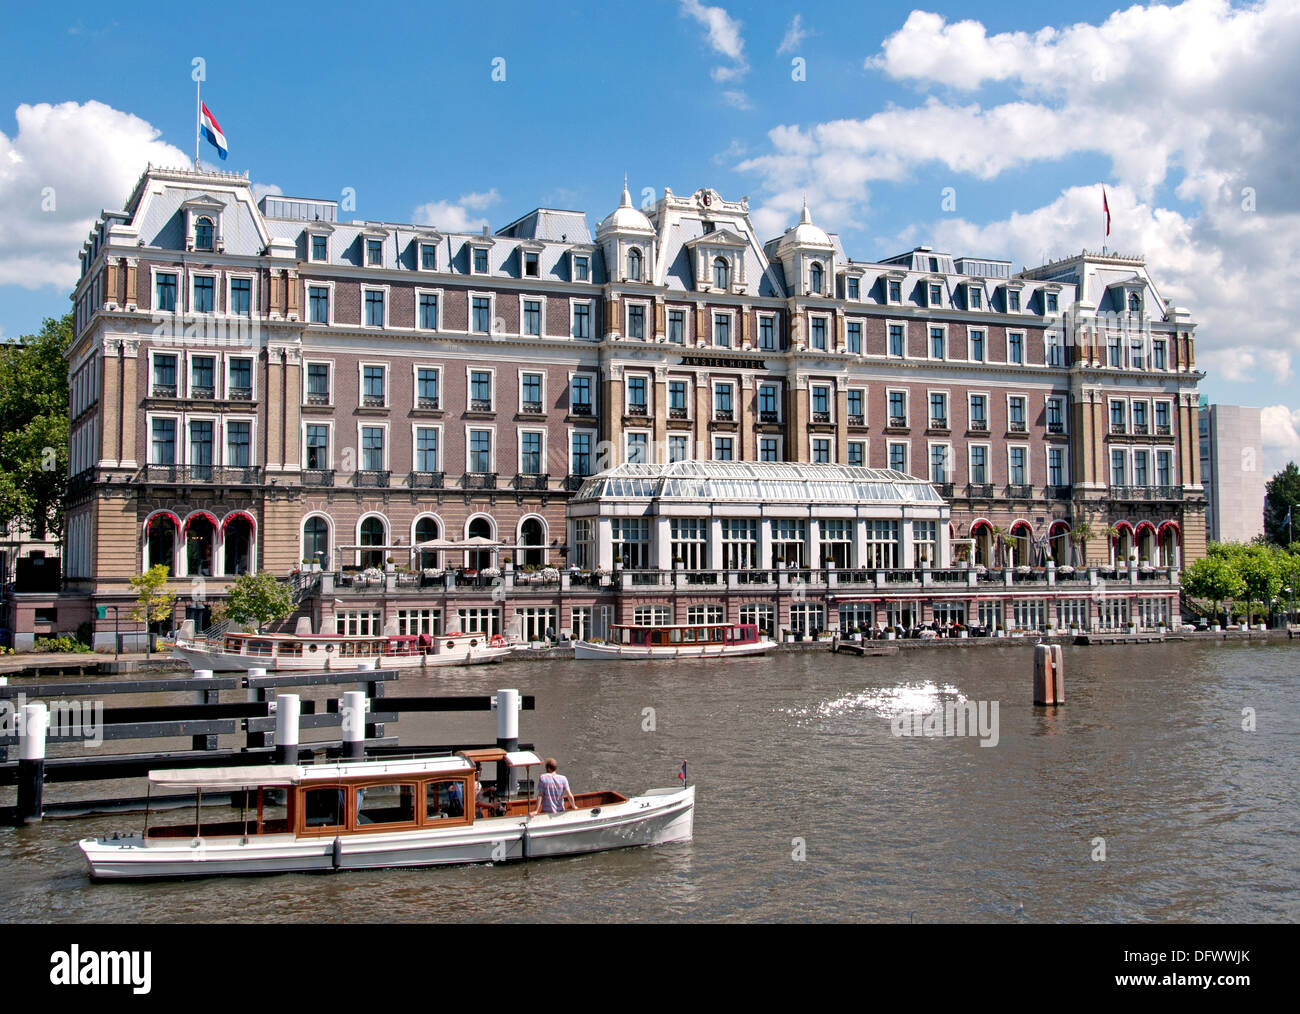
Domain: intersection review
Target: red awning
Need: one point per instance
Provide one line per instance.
(239, 514)
(161, 514)
(201, 514)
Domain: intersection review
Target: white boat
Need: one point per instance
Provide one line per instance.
(318, 652)
(373, 814)
(676, 641)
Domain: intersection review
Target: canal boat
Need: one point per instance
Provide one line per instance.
(376, 814)
(316, 652)
(676, 641)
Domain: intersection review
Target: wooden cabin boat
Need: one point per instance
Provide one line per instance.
(373, 814)
(317, 652)
(684, 641)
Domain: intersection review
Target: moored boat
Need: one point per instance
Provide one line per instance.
(241, 651)
(676, 641)
(374, 814)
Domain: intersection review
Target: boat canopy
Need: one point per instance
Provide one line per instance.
(247, 777)
(491, 755)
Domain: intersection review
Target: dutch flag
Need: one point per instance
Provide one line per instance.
(212, 131)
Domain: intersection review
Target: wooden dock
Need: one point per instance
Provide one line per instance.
(863, 649)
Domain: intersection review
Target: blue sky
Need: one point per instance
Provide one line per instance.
(1175, 110)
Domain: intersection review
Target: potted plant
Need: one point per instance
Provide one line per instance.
(999, 630)
(618, 563)
(962, 631)
(891, 633)
(389, 565)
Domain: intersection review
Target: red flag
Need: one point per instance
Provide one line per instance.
(1105, 206)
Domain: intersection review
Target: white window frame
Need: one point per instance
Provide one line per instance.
(470, 296)
(1065, 421)
(975, 287)
(929, 343)
(180, 441)
(862, 335)
(649, 444)
(735, 389)
(361, 384)
(907, 454)
(218, 368)
(831, 399)
(474, 248)
(832, 458)
(312, 236)
(318, 362)
(907, 406)
(594, 377)
(1064, 450)
(163, 269)
(987, 448)
(528, 297)
(714, 448)
(649, 379)
(363, 424)
(647, 320)
(688, 380)
(946, 393)
(574, 257)
(492, 448)
(194, 276)
(470, 370)
(226, 420)
(984, 333)
(1110, 415)
(313, 283)
(520, 385)
(366, 240)
(865, 462)
(825, 318)
(865, 411)
(1024, 398)
(1029, 478)
(594, 434)
(759, 317)
(687, 317)
(387, 304)
(780, 445)
(519, 449)
(929, 293)
(252, 373)
(415, 305)
(302, 445)
(1024, 348)
(416, 367)
(988, 410)
(930, 445)
(1019, 290)
(733, 336)
(240, 276)
(901, 280)
(217, 434)
(593, 324)
(420, 244)
(903, 324)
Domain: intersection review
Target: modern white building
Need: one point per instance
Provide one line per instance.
(1232, 472)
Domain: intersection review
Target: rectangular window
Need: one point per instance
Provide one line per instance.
(163, 451)
(1016, 414)
(677, 399)
(580, 395)
(819, 333)
(201, 444)
(372, 448)
(896, 339)
(1158, 354)
(1139, 468)
(481, 314)
(426, 388)
(979, 418)
(895, 292)
(1139, 417)
(853, 337)
(821, 403)
(1055, 467)
(1055, 417)
(1055, 350)
(1017, 466)
(857, 452)
(1164, 475)
(238, 444)
(855, 403)
(372, 386)
(676, 326)
(1118, 417)
(1013, 300)
(722, 448)
(428, 256)
(898, 457)
(768, 449)
(480, 262)
(374, 308)
(977, 346)
(480, 450)
(319, 298)
(530, 265)
(318, 446)
(580, 269)
(852, 288)
(722, 403)
(722, 330)
(480, 391)
(979, 464)
(936, 295)
(530, 453)
(637, 446)
(636, 321)
(1162, 418)
(767, 332)
(374, 252)
(767, 404)
(165, 292)
(1117, 470)
(676, 447)
(939, 410)
(530, 393)
(318, 248)
(205, 287)
(1051, 302)
(164, 376)
(821, 451)
(203, 377)
(241, 297)
(975, 297)
(936, 343)
(939, 464)
(582, 320)
(241, 379)
(428, 311)
(636, 395)
(1016, 348)
(897, 408)
(580, 452)
(318, 384)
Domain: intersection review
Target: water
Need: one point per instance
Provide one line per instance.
(1199, 817)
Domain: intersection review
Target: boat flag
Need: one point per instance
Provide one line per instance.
(212, 130)
(1105, 206)
(681, 775)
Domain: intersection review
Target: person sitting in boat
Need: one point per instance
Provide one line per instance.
(553, 791)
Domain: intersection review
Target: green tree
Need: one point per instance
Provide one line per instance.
(34, 428)
(1260, 568)
(154, 602)
(1213, 578)
(258, 598)
(1282, 497)
(1080, 535)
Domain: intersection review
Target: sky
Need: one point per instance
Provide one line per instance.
(981, 129)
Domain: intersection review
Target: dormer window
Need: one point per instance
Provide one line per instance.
(530, 264)
(320, 248)
(634, 265)
(1135, 302)
(1013, 300)
(480, 261)
(815, 278)
(851, 288)
(895, 291)
(936, 294)
(204, 235)
(721, 273)
(974, 298)
(428, 257)
(1051, 302)
(374, 253)
(581, 268)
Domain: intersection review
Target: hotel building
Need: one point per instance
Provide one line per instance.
(257, 383)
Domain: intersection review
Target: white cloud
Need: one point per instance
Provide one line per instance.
(723, 36)
(1194, 101)
(795, 33)
(75, 160)
(454, 216)
(261, 190)
(738, 99)
(1281, 437)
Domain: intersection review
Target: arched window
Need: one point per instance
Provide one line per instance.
(634, 265)
(721, 273)
(162, 542)
(316, 540)
(531, 535)
(203, 234)
(426, 530)
(372, 534)
(815, 277)
(237, 538)
(478, 559)
(1134, 302)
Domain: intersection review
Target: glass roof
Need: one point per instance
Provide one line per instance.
(766, 481)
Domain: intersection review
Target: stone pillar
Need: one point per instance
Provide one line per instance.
(814, 545)
(612, 416)
(275, 405)
(764, 543)
(747, 417)
(860, 541)
(111, 400)
(660, 434)
(663, 543)
(131, 403)
(798, 432)
(841, 420)
(132, 282)
(906, 535)
(714, 561)
(605, 543)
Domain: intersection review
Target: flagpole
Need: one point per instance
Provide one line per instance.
(198, 119)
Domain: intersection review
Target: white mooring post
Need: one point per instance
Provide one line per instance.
(288, 708)
(1049, 675)
(253, 692)
(507, 704)
(31, 761)
(354, 725)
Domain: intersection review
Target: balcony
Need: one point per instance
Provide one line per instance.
(637, 410)
(1163, 430)
(239, 394)
(768, 418)
(724, 415)
(980, 490)
(532, 481)
(1058, 492)
(370, 478)
(163, 391)
(531, 408)
(898, 422)
(318, 477)
(582, 408)
(1140, 429)
(372, 401)
(480, 405)
(938, 423)
(979, 425)
(1117, 428)
(228, 475)
(573, 482)
(478, 480)
(427, 404)
(1020, 491)
(1017, 426)
(205, 393)
(677, 413)
(1055, 427)
(857, 420)
(945, 489)
(821, 417)
(318, 397)
(425, 480)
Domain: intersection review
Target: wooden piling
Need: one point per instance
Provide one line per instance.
(1049, 675)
